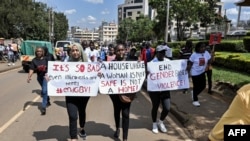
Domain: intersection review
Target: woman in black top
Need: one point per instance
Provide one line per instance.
(39, 65)
(118, 105)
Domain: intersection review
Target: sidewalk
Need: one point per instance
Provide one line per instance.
(198, 120)
(4, 66)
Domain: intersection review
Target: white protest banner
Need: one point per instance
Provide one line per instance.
(167, 75)
(73, 78)
(119, 77)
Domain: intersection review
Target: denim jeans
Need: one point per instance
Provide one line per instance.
(43, 83)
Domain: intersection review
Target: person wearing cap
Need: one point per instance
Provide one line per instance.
(197, 64)
(159, 97)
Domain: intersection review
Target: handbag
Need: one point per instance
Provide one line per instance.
(127, 98)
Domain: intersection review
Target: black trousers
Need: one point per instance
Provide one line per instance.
(119, 107)
(209, 79)
(158, 98)
(199, 84)
(76, 106)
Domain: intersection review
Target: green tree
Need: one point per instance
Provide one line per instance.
(29, 20)
(184, 12)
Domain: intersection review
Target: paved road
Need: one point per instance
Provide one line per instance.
(21, 119)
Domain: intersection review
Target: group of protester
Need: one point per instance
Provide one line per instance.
(199, 63)
(11, 51)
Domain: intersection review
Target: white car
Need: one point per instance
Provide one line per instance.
(237, 32)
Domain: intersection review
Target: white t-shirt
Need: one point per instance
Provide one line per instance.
(92, 55)
(200, 61)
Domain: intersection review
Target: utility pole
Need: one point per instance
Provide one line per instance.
(167, 19)
(51, 25)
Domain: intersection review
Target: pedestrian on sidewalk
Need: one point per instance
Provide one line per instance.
(159, 97)
(76, 105)
(40, 65)
(118, 105)
(10, 53)
(209, 68)
(197, 64)
(238, 113)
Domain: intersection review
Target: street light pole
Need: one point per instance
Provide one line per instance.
(167, 18)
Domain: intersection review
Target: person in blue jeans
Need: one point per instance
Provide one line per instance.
(40, 65)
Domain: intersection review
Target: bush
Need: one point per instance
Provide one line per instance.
(246, 42)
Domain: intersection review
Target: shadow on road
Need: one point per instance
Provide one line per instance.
(53, 132)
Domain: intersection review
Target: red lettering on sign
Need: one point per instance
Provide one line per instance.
(108, 83)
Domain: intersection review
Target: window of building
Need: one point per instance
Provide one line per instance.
(138, 12)
(129, 13)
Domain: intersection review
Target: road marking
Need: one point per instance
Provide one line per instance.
(7, 124)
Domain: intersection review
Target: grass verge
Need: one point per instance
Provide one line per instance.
(230, 76)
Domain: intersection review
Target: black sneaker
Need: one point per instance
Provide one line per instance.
(43, 111)
(48, 104)
(82, 133)
(117, 133)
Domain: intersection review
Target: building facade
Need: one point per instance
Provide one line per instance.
(108, 32)
(86, 35)
(133, 9)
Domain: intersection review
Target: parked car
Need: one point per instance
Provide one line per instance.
(237, 33)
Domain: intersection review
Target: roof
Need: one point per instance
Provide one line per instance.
(243, 3)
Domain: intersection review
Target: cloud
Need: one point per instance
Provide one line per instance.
(105, 12)
(91, 19)
(232, 11)
(94, 1)
(69, 12)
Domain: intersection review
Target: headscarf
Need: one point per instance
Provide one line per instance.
(83, 57)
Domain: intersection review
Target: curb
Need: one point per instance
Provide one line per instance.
(10, 68)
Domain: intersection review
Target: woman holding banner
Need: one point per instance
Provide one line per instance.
(158, 97)
(76, 104)
(197, 64)
(119, 105)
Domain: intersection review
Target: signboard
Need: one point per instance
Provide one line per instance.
(73, 78)
(119, 77)
(167, 75)
(215, 38)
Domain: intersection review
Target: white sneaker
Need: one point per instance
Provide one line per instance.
(9, 64)
(196, 104)
(13, 64)
(155, 128)
(162, 126)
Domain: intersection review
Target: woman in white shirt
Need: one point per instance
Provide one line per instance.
(197, 64)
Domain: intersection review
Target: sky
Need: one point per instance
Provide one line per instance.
(90, 13)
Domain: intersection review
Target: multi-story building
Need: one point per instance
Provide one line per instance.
(85, 34)
(108, 32)
(133, 9)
